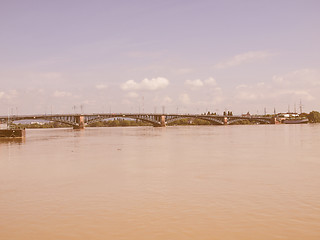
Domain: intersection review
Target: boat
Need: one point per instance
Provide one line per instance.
(291, 118)
(9, 132)
(12, 133)
(295, 121)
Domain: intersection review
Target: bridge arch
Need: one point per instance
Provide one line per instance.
(64, 121)
(260, 120)
(70, 121)
(134, 117)
(209, 119)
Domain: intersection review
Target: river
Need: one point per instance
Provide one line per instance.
(259, 182)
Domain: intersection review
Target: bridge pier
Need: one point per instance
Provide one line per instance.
(163, 121)
(274, 120)
(225, 121)
(80, 122)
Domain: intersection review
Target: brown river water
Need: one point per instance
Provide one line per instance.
(259, 182)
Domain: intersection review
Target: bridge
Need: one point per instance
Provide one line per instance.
(79, 121)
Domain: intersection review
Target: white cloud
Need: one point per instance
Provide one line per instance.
(302, 84)
(101, 86)
(184, 98)
(9, 94)
(197, 83)
(243, 58)
(304, 94)
(61, 94)
(210, 81)
(207, 94)
(145, 84)
(194, 83)
(130, 85)
(302, 77)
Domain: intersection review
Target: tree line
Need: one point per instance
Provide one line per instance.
(313, 117)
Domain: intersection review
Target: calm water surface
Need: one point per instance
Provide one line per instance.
(197, 183)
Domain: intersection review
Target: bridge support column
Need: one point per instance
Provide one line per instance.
(80, 121)
(274, 120)
(225, 121)
(163, 121)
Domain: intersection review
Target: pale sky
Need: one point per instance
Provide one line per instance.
(131, 56)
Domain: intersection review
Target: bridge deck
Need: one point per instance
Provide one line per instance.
(79, 120)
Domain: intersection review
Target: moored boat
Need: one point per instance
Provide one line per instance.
(12, 133)
(295, 121)
(291, 118)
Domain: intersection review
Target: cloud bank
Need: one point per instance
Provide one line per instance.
(301, 84)
(8, 95)
(243, 58)
(145, 84)
(197, 83)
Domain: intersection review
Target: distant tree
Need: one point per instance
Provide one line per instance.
(314, 117)
(55, 124)
(230, 113)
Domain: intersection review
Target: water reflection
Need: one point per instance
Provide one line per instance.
(12, 140)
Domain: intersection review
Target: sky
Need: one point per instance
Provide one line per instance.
(154, 56)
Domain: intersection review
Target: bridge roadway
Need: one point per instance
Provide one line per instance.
(79, 121)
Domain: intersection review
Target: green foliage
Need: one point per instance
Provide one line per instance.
(314, 117)
(44, 125)
(190, 121)
(243, 122)
(304, 115)
(119, 123)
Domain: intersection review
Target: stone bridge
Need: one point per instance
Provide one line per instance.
(79, 121)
